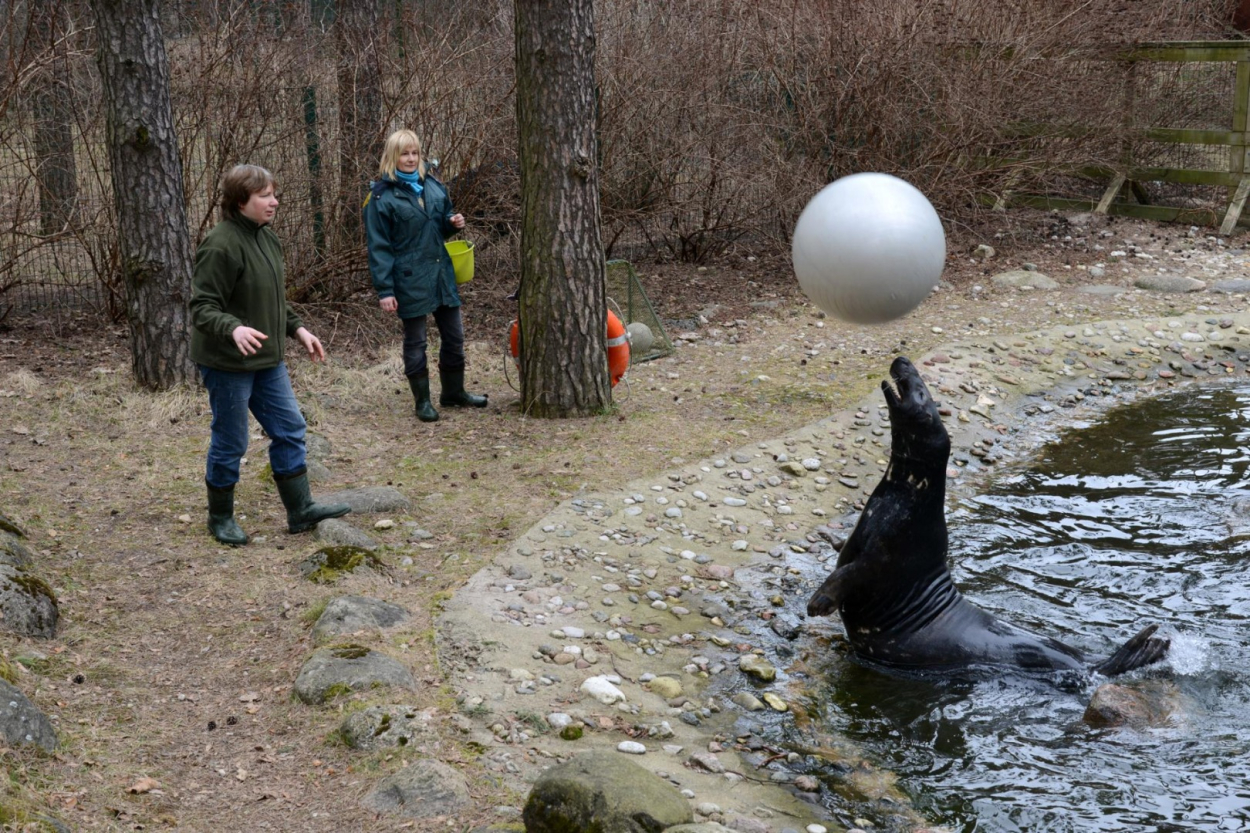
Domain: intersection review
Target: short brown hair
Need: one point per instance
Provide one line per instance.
(238, 185)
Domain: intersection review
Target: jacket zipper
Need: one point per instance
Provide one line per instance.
(281, 290)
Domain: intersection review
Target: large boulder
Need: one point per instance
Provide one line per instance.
(342, 669)
(604, 792)
(21, 722)
(13, 552)
(1141, 704)
(422, 789)
(349, 615)
(370, 499)
(27, 604)
(1024, 279)
(7, 524)
(380, 727)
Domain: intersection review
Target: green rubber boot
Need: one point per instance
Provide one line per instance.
(453, 394)
(421, 395)
(301, 513)
(221, 517)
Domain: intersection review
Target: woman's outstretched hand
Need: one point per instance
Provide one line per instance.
(248, 340)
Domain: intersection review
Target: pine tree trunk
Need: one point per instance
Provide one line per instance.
(154, 243)
(52, 108)
(356, 28)
(563, 303)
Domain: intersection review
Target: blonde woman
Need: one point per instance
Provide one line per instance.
(408, 216)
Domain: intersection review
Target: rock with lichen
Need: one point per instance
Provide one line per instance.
(341, 669)
(28, 606)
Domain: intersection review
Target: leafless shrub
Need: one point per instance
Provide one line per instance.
(717, 120)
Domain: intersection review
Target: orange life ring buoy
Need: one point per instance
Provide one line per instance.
(617, 344)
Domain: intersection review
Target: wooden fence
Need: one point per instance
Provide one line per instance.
(1229, 130)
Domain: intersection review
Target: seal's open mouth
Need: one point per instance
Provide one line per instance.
(906, 380)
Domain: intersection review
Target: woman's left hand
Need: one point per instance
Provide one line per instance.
(456, 220)
(312, 344)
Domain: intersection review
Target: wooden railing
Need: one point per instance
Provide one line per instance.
(1126, 179)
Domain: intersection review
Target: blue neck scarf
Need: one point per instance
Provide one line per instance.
(412, 180)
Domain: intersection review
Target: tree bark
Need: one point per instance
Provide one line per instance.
(52, 108)
(154, 243)
(356, 27)
(563, 298)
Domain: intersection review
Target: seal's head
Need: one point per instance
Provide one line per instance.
(917, 434)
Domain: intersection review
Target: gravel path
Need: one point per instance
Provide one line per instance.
(658, 619)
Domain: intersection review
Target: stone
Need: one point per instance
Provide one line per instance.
(370, 499)
(329, 563)
(604, 792)
(352, 614)
(1140, 704)
(337, 532)
(21, 722)
(748, 701)
(11, 526)
(1169, 283)
(13, 552)
(707, 762)
(316, 447)
(699, 827)
(774, 702)
(423, 789)
(317, 471)
(384, 727)
(745, 824)
(602, 690)
(756, 666)
(666, 687)
(1022, 279)
(1235, 286)
(330, 672)
(27, 604)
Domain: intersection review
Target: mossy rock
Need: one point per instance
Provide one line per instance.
(603, 791)
(9, 525)
(329, 564)
(334, 672)
(13, 551)
(382, 727)
(27, 604)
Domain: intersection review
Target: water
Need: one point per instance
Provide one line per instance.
(1143, 517)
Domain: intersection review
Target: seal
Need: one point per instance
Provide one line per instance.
(892, 585)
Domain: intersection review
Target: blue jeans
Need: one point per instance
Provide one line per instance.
(450, 333)
(268, 395)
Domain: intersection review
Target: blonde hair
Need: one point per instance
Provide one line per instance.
(238, 185)
(396, 144)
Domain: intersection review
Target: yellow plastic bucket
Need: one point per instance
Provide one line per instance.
(461, 252)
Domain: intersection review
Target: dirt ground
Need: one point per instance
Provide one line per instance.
(170, 678)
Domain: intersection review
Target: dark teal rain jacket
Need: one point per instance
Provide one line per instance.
(407, 258)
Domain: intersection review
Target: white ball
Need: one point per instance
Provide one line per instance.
(868, 248)
(641, 339)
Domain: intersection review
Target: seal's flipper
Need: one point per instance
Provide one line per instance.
(833, 592)
(1143, 649)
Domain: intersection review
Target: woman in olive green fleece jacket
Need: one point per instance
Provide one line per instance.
(238, 299)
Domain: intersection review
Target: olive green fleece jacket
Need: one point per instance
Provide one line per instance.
(239, 279)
